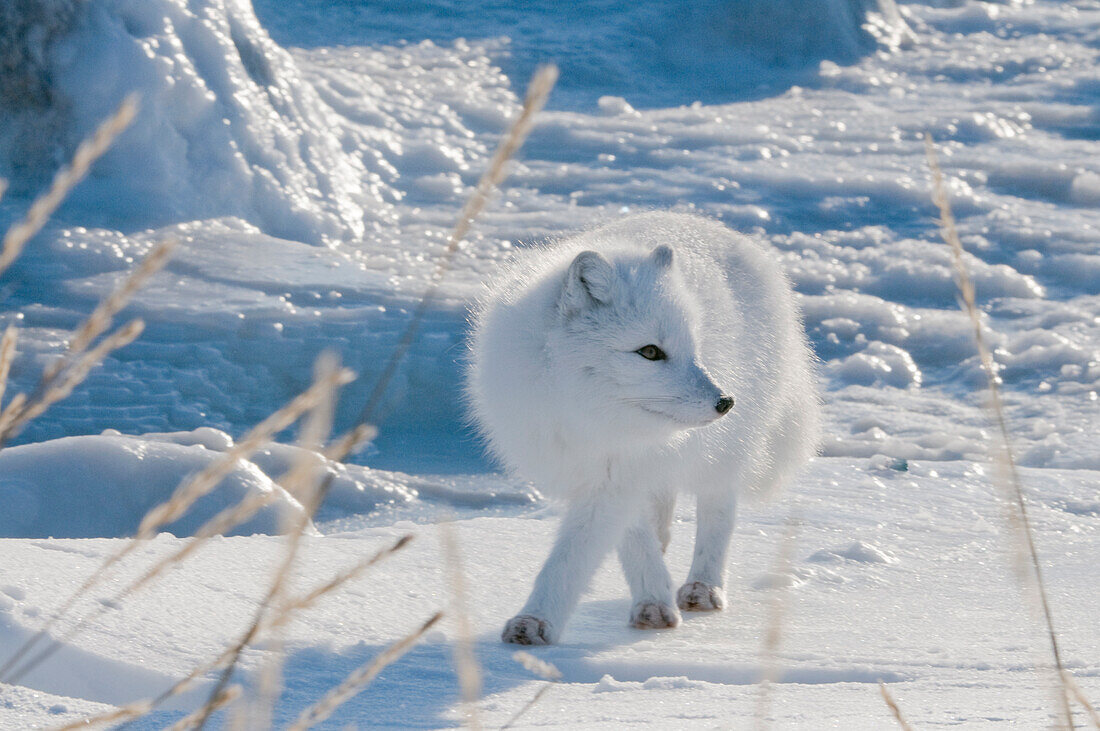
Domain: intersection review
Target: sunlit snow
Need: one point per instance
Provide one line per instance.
(311, 157)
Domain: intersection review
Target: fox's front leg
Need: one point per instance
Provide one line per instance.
(704, 590)
(591, 527)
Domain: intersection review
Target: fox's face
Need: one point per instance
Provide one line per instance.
(626, 346)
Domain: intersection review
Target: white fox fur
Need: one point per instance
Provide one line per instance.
(565, 396)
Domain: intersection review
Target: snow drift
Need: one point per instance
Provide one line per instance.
(102, 486)
(228, 125)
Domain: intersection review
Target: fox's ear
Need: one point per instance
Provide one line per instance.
(662, 256)
(588, 281)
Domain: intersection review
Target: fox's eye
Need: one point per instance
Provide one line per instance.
(651, 352)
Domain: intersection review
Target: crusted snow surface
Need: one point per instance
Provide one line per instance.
(310, 161)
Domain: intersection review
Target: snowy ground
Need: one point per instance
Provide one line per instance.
(311, 163)
(896, 576)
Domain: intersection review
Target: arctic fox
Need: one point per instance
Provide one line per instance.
(659, 353)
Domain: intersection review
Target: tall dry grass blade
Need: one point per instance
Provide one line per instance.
(305, 481)
(64, 181)
(138, 709)
(14, 407)
(7, 355)
(511, 722)
(1079, 696)
(112, 304)
(16, 415)
(234, 515)
(357, 436)
(68, 371)
(466, 664)
(223, 699)
(3, 188)
(776, 617)
(537, 93)
(181, 500)
(541, 668)
(1004, 458)
(308, 599)
(356, 681)
(894, 708)
(120, 715)
(262, 433)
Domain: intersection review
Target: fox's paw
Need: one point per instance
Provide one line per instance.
(653, 615)
(695, 596)
(526, 629)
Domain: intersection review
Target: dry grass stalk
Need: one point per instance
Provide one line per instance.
(777, 611)
(311, 597)
(7, 355)
(67, 372)
(120, 715)
(529, 705)
(20, 411)
(537, 93)
(3, 188)
(1031, 571)
(541, 668)
(1079, 696)
(205, 481)
(64, 181)
(894, 708)
(140, 708)
(304, 481)
(112, 304)
(360, 678)
(185, 495)
(14, 407)
(223, 699)
(234, 515)
(466, 664)
(357, 436)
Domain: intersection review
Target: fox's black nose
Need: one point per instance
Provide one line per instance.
(724, 404)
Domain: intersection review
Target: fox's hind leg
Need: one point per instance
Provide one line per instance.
(704, 590)
(640, 552)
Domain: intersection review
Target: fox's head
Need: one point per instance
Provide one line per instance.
(626, 345)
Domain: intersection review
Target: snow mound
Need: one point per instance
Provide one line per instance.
(857, 551)
(878, 363)
(228, 125)
(101, 486)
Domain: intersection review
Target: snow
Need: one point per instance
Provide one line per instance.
(940, 621)
(311, 160)
(84, 487)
